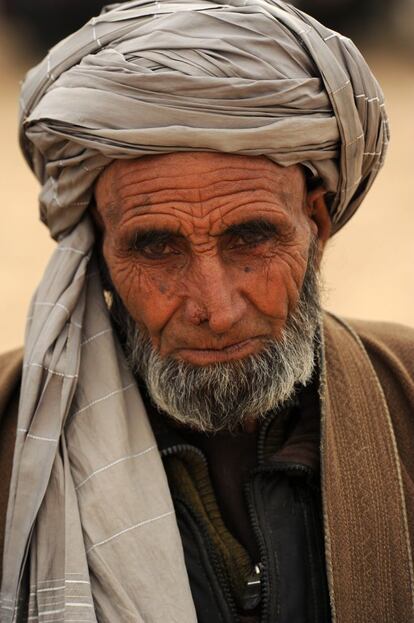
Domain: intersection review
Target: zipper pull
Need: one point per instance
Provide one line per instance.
(253, 591)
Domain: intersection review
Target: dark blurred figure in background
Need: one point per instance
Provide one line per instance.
(48, 21)
(351, 17)
(51, 20)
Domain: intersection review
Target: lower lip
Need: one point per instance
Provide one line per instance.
(202, 357)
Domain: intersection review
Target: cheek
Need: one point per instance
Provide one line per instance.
(273, 285)
(150, 297)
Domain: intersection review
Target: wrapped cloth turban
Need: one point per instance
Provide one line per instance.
(89, 498)
(253, 77)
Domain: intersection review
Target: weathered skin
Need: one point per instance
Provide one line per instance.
(203, 293)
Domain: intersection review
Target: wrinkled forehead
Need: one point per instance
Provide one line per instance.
(193, 177)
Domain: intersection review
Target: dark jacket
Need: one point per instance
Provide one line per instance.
(281, 577)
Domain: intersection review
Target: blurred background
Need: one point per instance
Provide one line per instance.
(369, 266)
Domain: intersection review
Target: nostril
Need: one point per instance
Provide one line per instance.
(196, 314)
(200, 317)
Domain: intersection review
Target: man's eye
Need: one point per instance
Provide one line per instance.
(157, 250)
(249, 239)
(154, 245)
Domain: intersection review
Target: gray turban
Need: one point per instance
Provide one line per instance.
(246, 77)
(89, 498)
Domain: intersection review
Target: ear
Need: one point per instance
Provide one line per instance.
(317, 211)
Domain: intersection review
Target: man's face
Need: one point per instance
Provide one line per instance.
(208, 252)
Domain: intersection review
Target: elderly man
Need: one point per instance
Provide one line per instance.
(195, 440)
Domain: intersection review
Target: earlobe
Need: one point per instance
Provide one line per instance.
(317, 211)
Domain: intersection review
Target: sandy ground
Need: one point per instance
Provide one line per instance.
(369, 266)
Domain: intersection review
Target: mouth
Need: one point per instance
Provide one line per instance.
(232, 352)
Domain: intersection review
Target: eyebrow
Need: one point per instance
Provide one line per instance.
(258, 226)
(153, 235)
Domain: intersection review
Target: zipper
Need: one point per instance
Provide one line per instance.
(212, 554)
(253, 593)
(263, 577)
(263, 565)
(264, 586)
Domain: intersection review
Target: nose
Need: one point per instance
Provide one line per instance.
(214, 296)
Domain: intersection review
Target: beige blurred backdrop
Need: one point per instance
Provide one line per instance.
(369, 266)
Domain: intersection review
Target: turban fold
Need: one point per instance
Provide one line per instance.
(88, 496)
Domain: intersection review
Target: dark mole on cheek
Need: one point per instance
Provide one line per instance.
(162, 289)
(247, 269)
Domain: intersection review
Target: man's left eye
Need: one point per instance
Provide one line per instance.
(248, 240)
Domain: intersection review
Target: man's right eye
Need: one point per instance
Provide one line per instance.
(154, 244)
(249, 239)
(156, 250)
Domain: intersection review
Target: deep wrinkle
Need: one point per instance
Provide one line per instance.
(137, 189)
